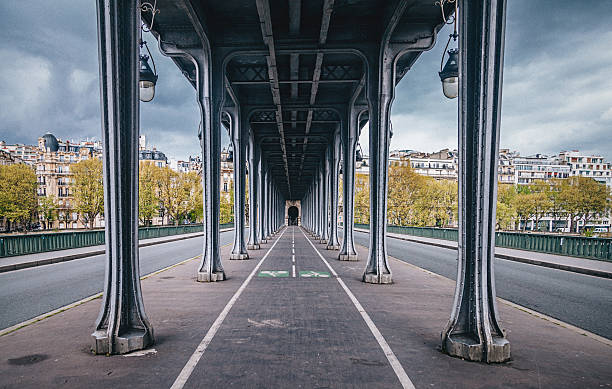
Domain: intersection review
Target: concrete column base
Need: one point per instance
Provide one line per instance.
(348, 257)
(214, 277)
(264, 241)
(467, 347)
(323, 241)
(371, 278)
(332, 247)
(253, 247)
(126, 343)
(239, 256)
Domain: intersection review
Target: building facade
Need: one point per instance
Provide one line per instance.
(591, 166)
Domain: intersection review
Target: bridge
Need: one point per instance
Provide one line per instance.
(294, 82)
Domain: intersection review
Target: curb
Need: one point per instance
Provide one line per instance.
(65, 258)
(574, 269)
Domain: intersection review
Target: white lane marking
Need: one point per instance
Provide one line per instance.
(184, 375)
(293, 268)
(292, 251)
(293, 258)
(395, 363)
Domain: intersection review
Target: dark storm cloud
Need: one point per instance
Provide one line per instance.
(557, 88)
(49, 78)
(557, 84)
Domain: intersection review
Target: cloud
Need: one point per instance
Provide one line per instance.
(557, 91)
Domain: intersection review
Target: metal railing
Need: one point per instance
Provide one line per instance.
(39, 243)
(573, 246)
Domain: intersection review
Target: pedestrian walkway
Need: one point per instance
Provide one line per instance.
(293, 316)
(591, 267)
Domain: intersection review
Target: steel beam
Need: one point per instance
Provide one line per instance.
(473, 331)
(122, 325)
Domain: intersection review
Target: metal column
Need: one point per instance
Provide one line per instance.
(379, 91)
(350, 136)
(239, 135)
(261, 198)
(211, 102)
(122, 325)
(253, 243)
(473, 331)
(332, 243)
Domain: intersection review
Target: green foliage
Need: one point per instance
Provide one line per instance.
(362, 199)
(18, 200)
(47, 210)
(148, 202)
(88, 189)
(226, 211)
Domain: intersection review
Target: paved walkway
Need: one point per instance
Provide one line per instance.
(266, 328)
(579, 265)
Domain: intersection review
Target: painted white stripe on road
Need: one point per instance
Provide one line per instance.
(293, 268)
(395, 363)
(182, 378)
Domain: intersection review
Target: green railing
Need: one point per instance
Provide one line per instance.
(573, 246)
(11, 245)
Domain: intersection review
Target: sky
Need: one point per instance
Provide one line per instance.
(557, 91)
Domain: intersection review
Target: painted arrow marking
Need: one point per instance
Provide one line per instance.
(273, 273)
(314, 274)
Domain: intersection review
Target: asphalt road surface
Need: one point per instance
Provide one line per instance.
(27, 293)
(581, 300)
(578, 299)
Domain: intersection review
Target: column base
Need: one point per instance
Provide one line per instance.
(239, 256)
(217, 276)
(253, 247)
(372, 278)
(467, 347)
(332, 247)
(133, 340)
(323, 241)
(348, 257)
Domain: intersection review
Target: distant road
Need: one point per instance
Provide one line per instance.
(27, 293)
(580, 300)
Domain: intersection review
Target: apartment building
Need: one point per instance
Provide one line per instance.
(591, 166)
(25, 153)
(538, 167)
(54, 176)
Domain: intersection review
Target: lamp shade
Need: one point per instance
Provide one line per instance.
(147, 80)
(450, 75)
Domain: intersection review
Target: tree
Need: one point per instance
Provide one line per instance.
(525, 208)
(362, 199)
(583, 198)
(18, 199)
(506, 206)
(47, 210)
(148, 201)
(174, 192)
(88, 190)
(226, 212)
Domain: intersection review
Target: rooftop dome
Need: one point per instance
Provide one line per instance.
(50, 142)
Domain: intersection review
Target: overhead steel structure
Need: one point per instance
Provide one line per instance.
(294, 82)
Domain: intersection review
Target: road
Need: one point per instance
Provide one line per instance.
(581, 300)
(27, 293)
